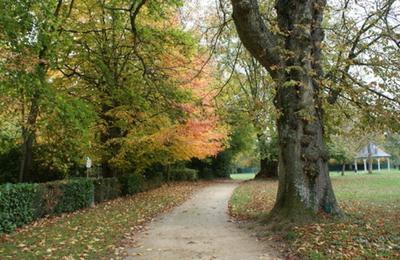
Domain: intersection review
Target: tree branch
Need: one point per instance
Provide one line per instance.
(255, 35)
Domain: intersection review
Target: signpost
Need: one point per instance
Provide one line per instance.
(88, 166)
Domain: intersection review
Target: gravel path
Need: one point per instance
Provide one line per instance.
(200, 229)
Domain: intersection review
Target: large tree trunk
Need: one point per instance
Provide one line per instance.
(304, 183)
(110, 133)
(369, 158)
(29, 129)
(293, 61)
(28, 139)
(268, 166)
(268, 169)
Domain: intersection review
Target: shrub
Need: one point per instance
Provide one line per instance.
(132, 183)
(23, 203)
(17, 203)
(106, 189)
(204, 167)
(206, 174)
(9, 165)
(65, 196)
(222, 164)
(154, 180)
(183, 174)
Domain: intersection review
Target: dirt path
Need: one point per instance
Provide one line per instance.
(200, 229)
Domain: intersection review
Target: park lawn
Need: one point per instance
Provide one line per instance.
(243, 176)
(370, 228)
(92, 233)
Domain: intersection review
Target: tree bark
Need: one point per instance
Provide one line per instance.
(28, 139)
(304, 183)
(369, 158)
(269, 157)
(343, 168)
(29, 129)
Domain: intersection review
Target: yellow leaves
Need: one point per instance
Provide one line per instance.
(21, 245)
(174, 142)
(25, 60)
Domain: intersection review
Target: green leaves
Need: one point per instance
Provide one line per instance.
(17, 205)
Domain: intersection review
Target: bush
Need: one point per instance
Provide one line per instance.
(17, 205)
(206, 174)
(132, 183)
(222, 164)
(106, 189)
(204, 168)
(23, 203)
(65, 196)
(154, 180)
(183, 174)
(9, 165)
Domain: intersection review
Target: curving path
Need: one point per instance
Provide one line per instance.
(200, 229)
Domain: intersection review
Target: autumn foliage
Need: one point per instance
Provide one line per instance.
(197, 133)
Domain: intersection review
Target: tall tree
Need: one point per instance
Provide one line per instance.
(292, 55)
(153, 105)
(361, 60)
(247, 90)
(48, 117)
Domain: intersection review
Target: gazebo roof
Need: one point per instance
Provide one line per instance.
(376, 152)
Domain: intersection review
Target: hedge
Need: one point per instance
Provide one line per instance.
(17, 205)
(106, 189)
(206, 174)
(65, 196)
(23, 203)
(153, 180)
(132, 183)
(183, 174)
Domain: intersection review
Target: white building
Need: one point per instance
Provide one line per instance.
(376, 153)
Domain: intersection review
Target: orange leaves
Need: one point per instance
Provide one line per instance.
(184, 141)
(169, 115)
(196, 139)
(202, 133)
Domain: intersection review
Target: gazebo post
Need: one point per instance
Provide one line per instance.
(365, 164)
(379, 163)
(388, 160)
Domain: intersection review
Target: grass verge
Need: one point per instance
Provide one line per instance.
(94, 233)
(243, 176)
(371, 228)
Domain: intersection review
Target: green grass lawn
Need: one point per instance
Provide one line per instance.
(371, 228)
(94, 233)
(378, 188)
(242, 176)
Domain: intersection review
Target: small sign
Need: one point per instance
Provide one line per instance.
(88, 163)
